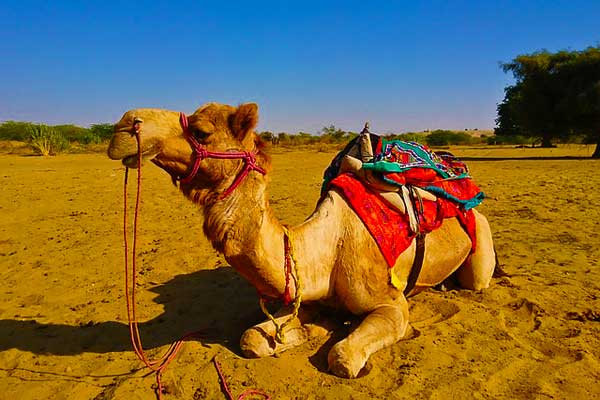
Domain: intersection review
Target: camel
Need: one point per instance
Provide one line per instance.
(337, 260)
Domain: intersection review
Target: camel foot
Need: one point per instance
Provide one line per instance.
(383, 327)
(256, 343)
(344, 362)
(259, 341)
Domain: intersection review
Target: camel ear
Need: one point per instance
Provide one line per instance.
(244, 120)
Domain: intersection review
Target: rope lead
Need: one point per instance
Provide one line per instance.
(290, 258)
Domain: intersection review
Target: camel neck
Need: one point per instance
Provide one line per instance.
(244, 229)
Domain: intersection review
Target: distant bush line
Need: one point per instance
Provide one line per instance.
(333, 135)
(21, 131)
(436, 138)
(48, 140)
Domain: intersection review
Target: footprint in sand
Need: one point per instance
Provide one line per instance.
(527, 323)
(584, 316)
(431, 311)
(529, 312)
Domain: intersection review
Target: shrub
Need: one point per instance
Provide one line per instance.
(102, 132)
(14, 130)
(70, 132)
(45, 141)
(409, 137)
(89, 137)
(444, 138)
(438, 138)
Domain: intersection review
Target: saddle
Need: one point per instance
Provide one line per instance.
(408, 179)
(401, 198)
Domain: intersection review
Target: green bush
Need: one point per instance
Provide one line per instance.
(14, 130)
(409, 137)
(72, 133)
(89, 138)
(21, 131)
(45, 140)
(102, 132)
(444, 138)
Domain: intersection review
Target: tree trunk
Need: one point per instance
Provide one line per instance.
(597, 151)
(546, 142)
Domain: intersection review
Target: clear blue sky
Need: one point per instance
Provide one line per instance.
(405, 65)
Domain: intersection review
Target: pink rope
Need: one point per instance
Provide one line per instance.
(246, 393)
(200, 153)
(160, 364)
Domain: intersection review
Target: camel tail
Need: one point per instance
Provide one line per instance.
(498, 271)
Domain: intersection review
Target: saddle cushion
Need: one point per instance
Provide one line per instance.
(394, 163)
(389, 227)
(409, 163)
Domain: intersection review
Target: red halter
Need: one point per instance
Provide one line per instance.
(200, 153)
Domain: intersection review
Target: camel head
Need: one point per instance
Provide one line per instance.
(216, 127)
(156, 127)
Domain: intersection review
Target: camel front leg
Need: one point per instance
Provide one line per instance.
(383, 327)
(259, 341)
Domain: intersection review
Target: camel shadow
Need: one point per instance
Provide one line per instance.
(218, 302)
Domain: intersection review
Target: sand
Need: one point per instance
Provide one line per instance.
(63, 327)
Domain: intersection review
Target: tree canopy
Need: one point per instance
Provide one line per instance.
(556, 95)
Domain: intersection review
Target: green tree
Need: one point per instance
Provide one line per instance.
(555, 96)
(266, 136)
(305, 138)
(336, 134)
(102, 131)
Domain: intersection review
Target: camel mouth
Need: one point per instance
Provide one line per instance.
(131, 161)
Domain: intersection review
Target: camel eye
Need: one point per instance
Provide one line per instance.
(200, 135)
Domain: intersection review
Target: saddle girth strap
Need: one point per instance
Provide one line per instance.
(417, 265)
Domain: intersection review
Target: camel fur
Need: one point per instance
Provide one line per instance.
(339, 263)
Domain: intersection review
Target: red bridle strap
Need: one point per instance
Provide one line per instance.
(200, 153)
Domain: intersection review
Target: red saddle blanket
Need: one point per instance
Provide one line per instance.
(390, 228)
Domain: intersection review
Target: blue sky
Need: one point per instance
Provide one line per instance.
(403, 65)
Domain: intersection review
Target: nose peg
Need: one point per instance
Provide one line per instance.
(137, 124)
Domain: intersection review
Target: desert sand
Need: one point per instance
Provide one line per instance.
(534, 333)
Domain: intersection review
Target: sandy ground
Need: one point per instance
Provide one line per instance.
(63, 331)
